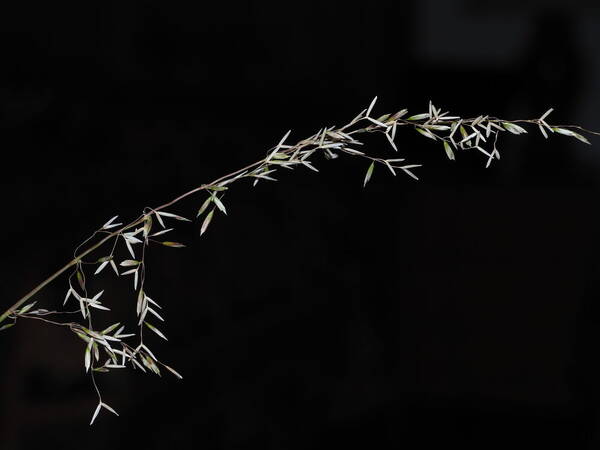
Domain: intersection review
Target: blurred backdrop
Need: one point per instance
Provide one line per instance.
(461, 309)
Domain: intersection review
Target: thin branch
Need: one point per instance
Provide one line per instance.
(453, 132)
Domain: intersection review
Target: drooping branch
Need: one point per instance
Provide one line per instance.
(454, 133)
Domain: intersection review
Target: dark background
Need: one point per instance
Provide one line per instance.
(457, 310)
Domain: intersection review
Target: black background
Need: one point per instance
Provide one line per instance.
(457, 310)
